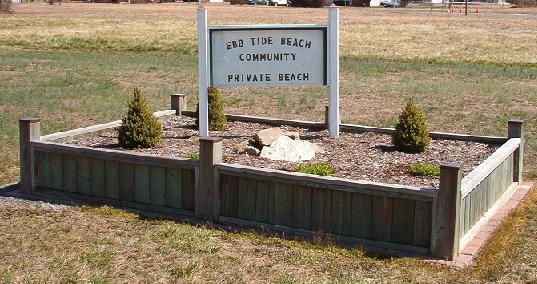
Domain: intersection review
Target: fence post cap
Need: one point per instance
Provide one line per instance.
(516, 121)
(451, 165)
(178, 95)
(29, 119)
(210, 139)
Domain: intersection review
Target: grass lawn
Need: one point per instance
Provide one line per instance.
(76, 64)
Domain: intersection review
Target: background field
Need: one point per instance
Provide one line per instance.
(76, 64)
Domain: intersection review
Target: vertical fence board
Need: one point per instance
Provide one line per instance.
(283, 204)
(264, 200)
(321, 210)
(422, 223)
(188, 185)
(341, 212)
(126, 182)
(467, 213)
(56, 171)
(381, 216)
(403, 221)
(69, 173)
(83, 175)
(360, 215)
(158, 186)
(173, 188)
(229, 195)
(97, 173)
(42, 169)
(142, 184)
(112, 178)
(247, 188)
(302, 207)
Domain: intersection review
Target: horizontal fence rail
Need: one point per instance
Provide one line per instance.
(485, 185)
(364, 210)
(116, 175)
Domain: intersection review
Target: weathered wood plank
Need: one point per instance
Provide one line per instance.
(247, 198)
(142, 184)
(173, 188)
(43, 173)
(158, 186)
(69, 173)
(126, 182)
(264, 200)
(229, 189)
(362, 186)
(360, 215)
(381, 218)
(98, 176)
(341, 212)
(302, 207)
(188, 185)
(95, 128)
(403, 221)
(115, 155)
(321, 210)
(83, 175)
(422, 223)
(283, 204)
(56, 171)
(112, 178)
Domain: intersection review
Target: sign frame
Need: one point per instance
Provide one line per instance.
(331, 68)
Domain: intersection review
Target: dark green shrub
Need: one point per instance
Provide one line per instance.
(424, 170)
(139, 128)
(320, 169)
(308, 3)
(411, 133)
(217, 118)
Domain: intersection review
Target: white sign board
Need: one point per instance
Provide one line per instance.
(268, 56)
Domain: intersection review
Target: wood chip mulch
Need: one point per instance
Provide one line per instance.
(364, 156)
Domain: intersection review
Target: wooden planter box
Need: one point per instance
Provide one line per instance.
(387, 217)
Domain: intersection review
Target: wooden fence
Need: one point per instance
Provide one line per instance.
(434, 221)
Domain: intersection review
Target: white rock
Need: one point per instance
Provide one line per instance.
(266, 137)
(287, 149)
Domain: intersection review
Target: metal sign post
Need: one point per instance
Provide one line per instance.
(333, 71)
(203, 72)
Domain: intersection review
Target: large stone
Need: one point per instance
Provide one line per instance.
(287, 149)
(292, 134)
(267, 136)
(316, 148)
(252, 151)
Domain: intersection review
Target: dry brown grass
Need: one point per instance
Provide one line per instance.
(101, 245)
(393, 34)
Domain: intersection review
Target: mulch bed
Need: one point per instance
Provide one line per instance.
(364, 156)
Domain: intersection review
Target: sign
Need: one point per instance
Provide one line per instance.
(268, 56)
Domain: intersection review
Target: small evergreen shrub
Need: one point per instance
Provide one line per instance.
(217, 119)
(139, 128)
(419, 169)
(193, 155)
(320, 169)
(411, 132)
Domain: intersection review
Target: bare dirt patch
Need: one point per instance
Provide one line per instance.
(364, 156)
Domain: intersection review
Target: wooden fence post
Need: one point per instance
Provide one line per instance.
(29, 130)
(515, 129)
(208, 193)
(446, 232)
(178, 103)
